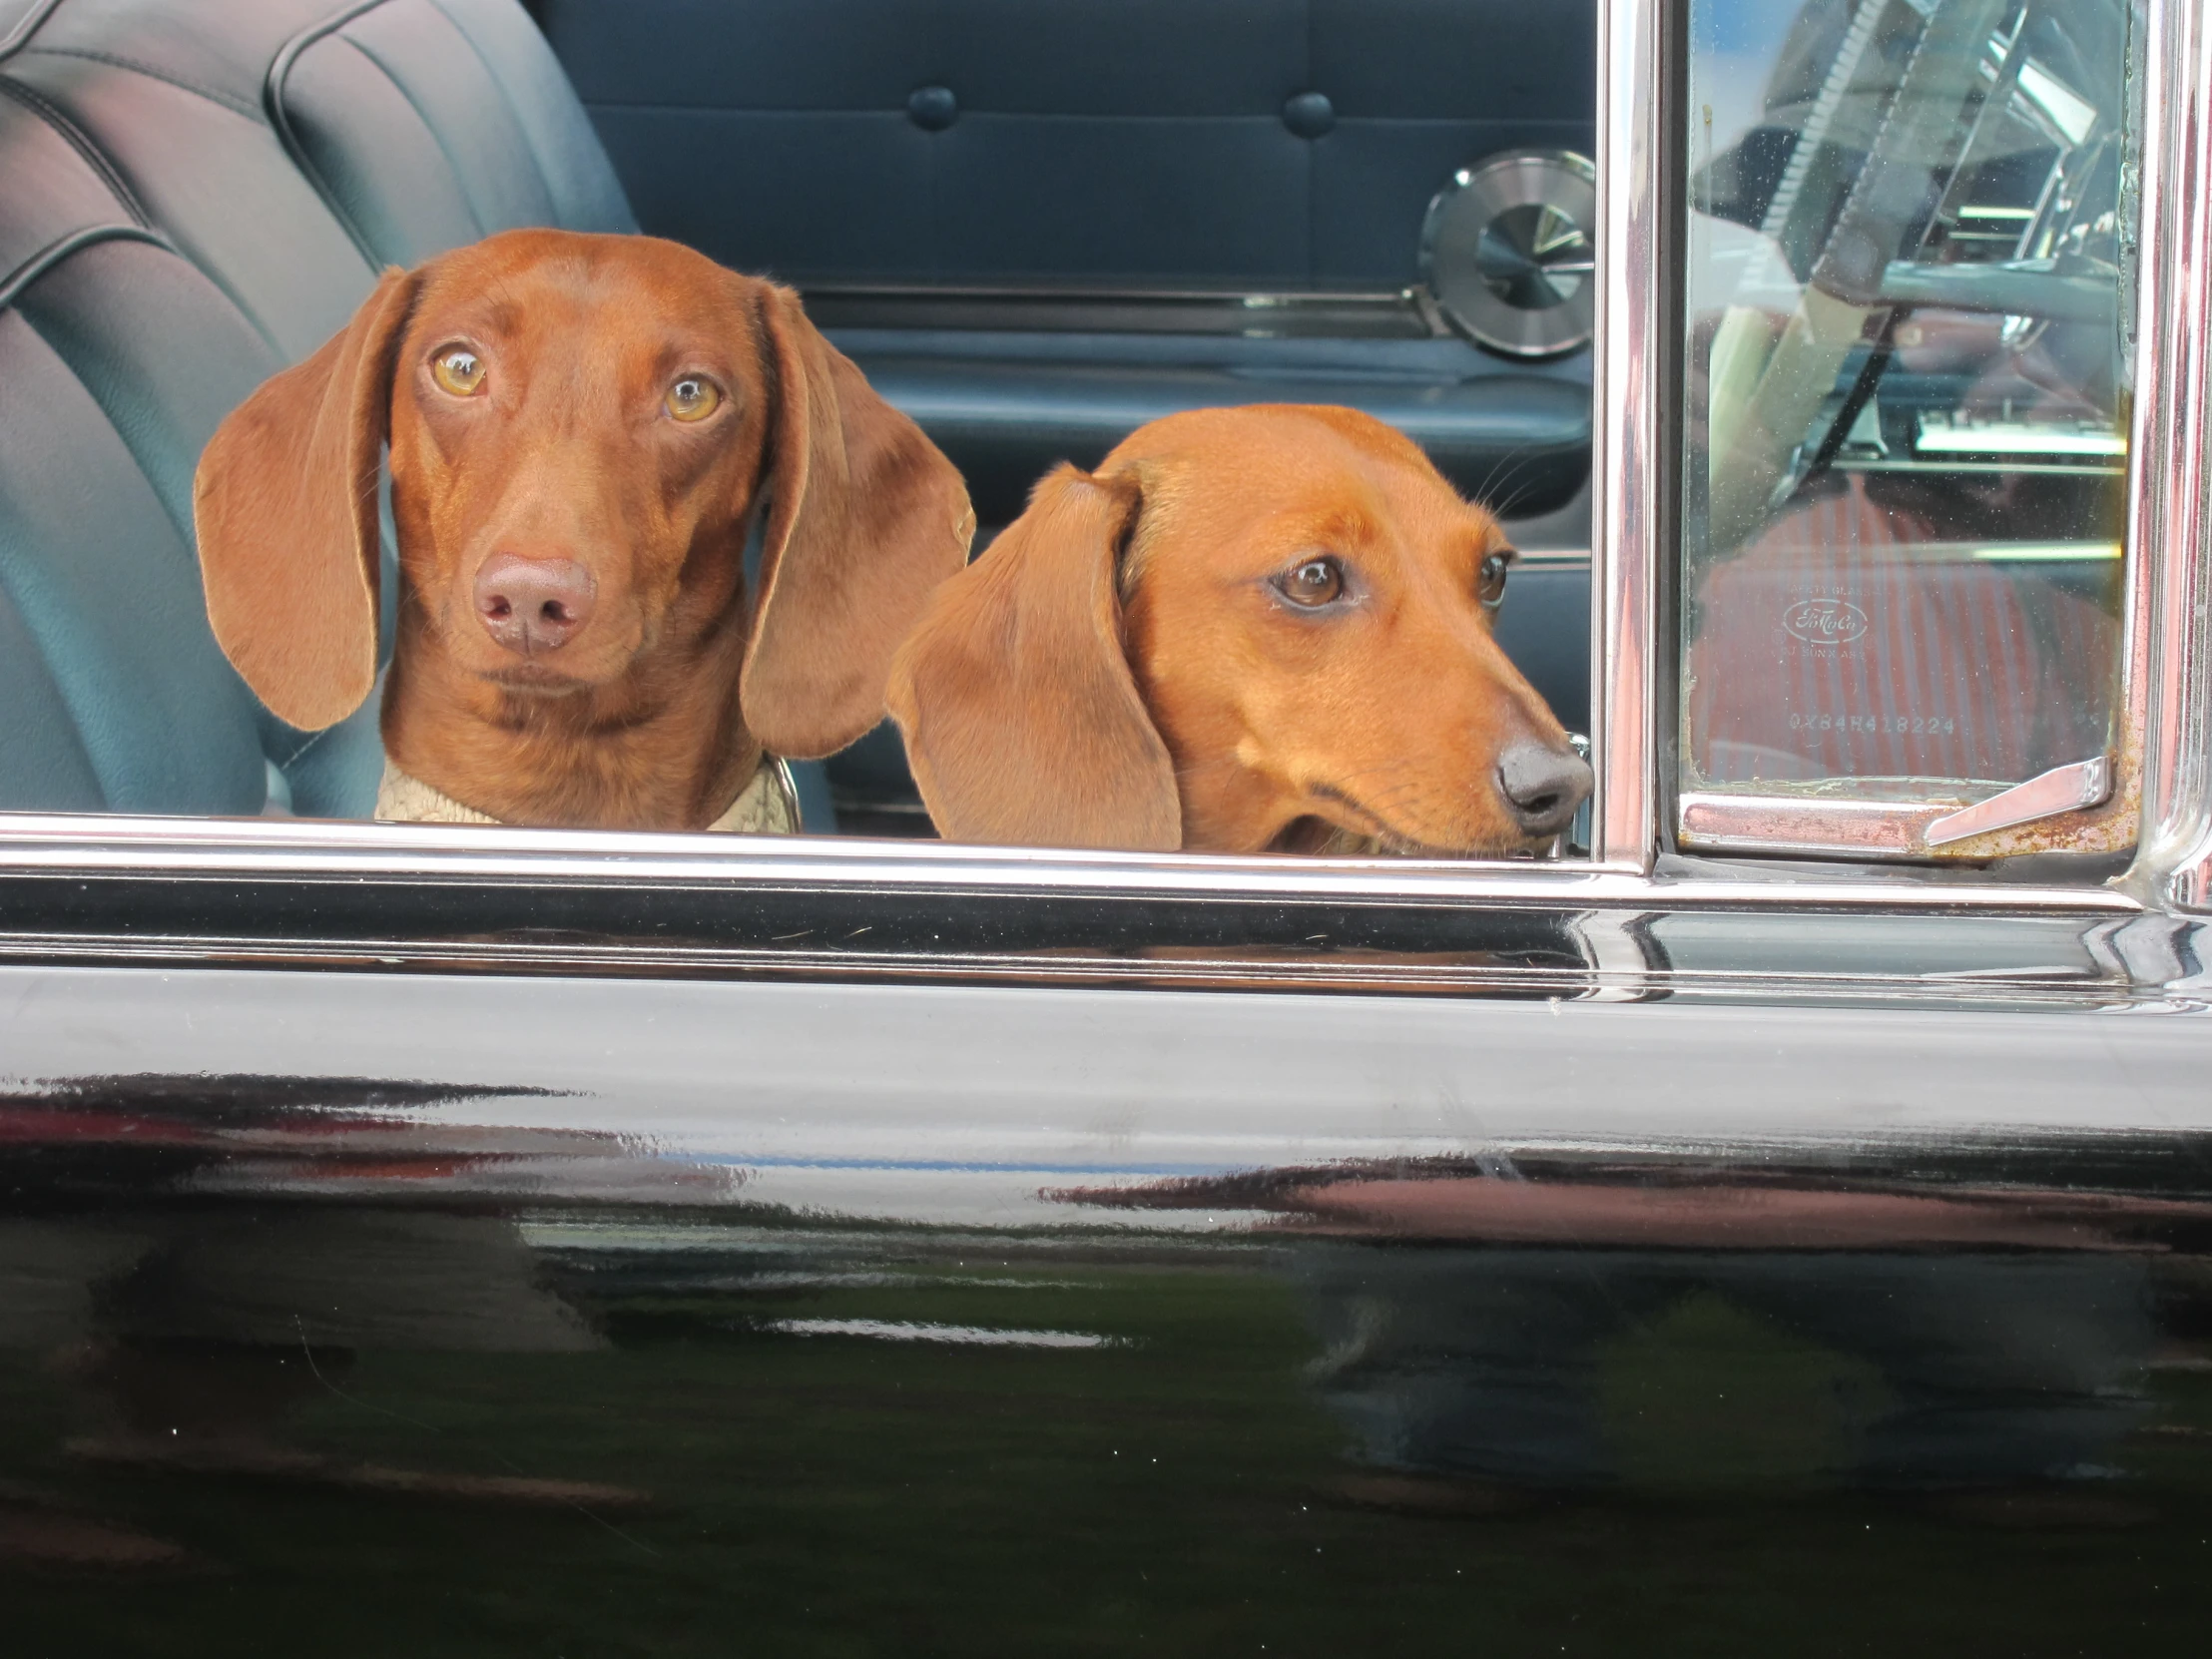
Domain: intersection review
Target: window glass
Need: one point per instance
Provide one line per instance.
(1909, 295)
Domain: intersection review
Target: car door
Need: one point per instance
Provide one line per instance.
(1772, 1223)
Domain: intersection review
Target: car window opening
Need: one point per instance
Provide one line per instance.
(1259, 394)
(1405, 238)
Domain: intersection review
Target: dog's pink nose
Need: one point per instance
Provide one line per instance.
(533, 605)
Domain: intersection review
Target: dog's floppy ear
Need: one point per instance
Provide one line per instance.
(865, 517)
(1022, 722)
(284, 510)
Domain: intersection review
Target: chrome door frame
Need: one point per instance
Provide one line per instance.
(2165, 761)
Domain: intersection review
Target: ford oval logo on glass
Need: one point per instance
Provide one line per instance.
(1824, 620)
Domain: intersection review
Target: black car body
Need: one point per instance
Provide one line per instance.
(1767, 1226)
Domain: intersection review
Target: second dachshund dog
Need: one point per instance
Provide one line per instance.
(1252, 629)
(584, 432)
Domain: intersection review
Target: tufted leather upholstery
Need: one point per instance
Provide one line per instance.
(293, 148)
(115, 693)
(1240, 145)
(192, 196)
(1094, 140)
(416, 150)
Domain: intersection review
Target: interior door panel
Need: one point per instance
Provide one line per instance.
(1094, 142)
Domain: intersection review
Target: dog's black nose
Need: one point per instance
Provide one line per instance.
(533, 605)
(1542, 786)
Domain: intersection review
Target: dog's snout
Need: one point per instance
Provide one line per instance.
(1542, 786)
(533, 605)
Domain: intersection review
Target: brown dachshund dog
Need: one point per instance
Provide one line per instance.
(1254, 628)
(583, 431)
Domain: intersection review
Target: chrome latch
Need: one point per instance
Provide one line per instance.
(1574, 841)
(2065, 789)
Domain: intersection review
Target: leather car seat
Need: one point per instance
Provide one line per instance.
(116, 355)
(192, 196)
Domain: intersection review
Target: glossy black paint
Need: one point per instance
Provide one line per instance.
(615, 1312)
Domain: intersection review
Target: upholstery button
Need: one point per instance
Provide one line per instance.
(1310, 114)
(933, 109)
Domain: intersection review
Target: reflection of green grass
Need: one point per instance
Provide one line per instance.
(835, 1497)
(1710, 1397)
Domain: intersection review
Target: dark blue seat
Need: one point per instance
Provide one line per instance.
(1007, 405)
(1240, 145)
(117, 355)
(1102, 146)
(190, 197)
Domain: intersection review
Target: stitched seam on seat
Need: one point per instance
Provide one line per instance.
(300, 753)
(237, 105)
(56, 119)
(47, 111)
(72, 702)
(272, 101)
(1313, 172)
(26, 26)
(71, 729)
(309, 741)
(453, 162)
(545, 174)
(61, 248)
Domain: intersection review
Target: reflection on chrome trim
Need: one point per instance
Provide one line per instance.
(1628, 465)
(1405, 314)
(2064, 788)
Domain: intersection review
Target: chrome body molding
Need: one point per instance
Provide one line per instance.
(871, 1104)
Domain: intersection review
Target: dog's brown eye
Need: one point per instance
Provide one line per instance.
(1316, 582)
(693, 398)
(458, 371)
(1489, 582)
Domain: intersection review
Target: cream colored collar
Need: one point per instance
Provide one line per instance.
(767, 805)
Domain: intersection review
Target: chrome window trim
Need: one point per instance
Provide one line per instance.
(1630, 500)
(1550, 558)
(2165, 481)
(1391, 313)
(291, 848)
(2170, 510)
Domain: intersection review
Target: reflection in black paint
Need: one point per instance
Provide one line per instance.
(329, 1356)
